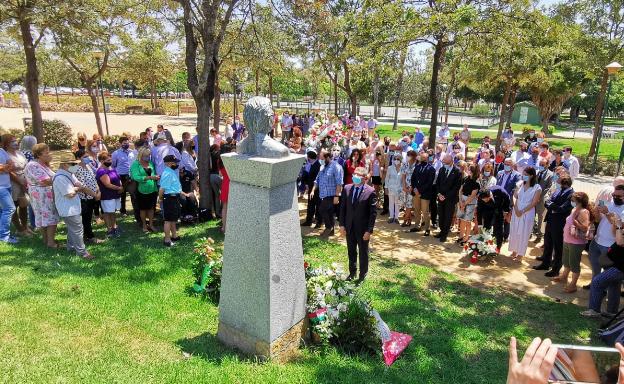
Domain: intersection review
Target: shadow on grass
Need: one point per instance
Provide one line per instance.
(208, 347)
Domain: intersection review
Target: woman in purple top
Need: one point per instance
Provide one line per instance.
(110, 187)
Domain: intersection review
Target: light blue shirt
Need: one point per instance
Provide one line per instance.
(170, 182)
(159, 153)
(328, 178)
(122, 159)
(5, 178)
(187, 162)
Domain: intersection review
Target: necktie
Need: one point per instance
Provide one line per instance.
(356, 194)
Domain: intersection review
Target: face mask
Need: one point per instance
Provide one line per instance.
(457, 150)
(14, 145)
(174, 166)
(72, 169)
(499, 159)
(539, 139)
(430, 158)
(336, 153)
(540, 168)
(531, 134)
(507, 168)
(397, 162)
(566, 154)
(95, 149)
(125, 146)
(86, 161)
(573, 203)
(525, 178)
(618, 201)
(357, 179)
(108, 163)
(555, 177)
(145, 158)
(322, 161)
(486, 173)
(448, 166)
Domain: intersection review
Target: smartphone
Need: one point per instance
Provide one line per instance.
(581, 364)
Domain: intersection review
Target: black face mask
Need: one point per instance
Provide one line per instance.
(108, 163)
(618, 201)
(174, 166)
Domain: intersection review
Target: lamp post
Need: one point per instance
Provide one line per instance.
(612, 70)
(582, 96)
(98, 55)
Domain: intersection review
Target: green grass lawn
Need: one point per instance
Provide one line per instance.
(609, 148)
(127, 317)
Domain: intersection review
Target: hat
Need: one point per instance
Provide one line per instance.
(170, 159)
(68, 158)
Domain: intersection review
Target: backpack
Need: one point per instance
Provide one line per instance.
(613, 334)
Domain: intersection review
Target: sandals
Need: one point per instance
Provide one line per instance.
(557, 279)
(569, 289)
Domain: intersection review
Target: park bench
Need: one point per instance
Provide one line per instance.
(188, 109)
(134, 109)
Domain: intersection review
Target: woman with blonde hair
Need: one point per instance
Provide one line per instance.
(81, 143)
(39, 177)
(142, 171)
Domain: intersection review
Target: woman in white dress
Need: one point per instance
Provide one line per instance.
(523, 214)
(393, 187)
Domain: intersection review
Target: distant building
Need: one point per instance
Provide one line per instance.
(525, 112)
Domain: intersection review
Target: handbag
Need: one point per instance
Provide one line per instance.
(576, 232)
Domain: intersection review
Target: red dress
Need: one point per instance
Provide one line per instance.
(225, 185)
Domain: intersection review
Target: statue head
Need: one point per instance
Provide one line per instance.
(258, 115)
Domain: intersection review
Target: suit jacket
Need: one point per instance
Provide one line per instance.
(510, 183)
(544, 179)
(358, 217)
(448, 185)
(309, 177)
(558, 208)
(422, 180)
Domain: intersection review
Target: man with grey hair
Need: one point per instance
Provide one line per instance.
(448, 184)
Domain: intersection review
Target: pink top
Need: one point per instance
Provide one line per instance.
(567, 232)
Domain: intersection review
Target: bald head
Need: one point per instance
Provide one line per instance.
(618, 181)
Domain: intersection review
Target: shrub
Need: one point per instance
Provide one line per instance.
(480, 110)
(112, 142)
(56, 134)
(16, 132)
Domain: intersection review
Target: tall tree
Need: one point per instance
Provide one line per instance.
(205, 23)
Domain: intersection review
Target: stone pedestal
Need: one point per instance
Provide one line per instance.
(263, 292)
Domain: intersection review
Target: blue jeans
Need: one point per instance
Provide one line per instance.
(595, 250)
(610, 281)
(7, 208)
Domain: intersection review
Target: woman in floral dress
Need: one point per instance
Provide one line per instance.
(39, 178)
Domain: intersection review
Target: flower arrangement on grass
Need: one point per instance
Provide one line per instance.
(207, 268)
(481, 246)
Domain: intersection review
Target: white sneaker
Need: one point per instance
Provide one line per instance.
(590, 313)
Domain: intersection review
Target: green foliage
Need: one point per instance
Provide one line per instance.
(480, 110)
(56, 134)
(112, 142)
(358, 333)
(207, 264)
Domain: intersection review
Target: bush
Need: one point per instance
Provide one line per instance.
(56, 134)
(16, 132)
(111, 142)
(480, 110)
(603, 166)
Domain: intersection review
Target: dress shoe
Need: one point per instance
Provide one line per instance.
(587, 287)
(551, 273)
(434, 225)
(541, 267)
(426, 233)
(443, 239)
(360, 280)
(415, 229)
(306, 224)
(384, 213)
(539, 258)
(328, 232)
(318, 225)
(438, 235)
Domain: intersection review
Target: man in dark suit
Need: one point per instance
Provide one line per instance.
(422, 192)
(357, 219)
(544, 179)
(448, 183)
(310, 171)
(238, 128)
(508, 180)
(558, 208)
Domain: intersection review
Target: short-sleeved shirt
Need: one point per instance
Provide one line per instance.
(604, 233)
(170, 182)
(469, 186)
(328, 178)
(5, 178)
(63, 184)
(107, 193)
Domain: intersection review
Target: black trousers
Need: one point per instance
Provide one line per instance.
(433, 208)
(386, 203)
(446, 209)
(312, 212)
(357, 246)
(327, 211)
(492, 219)
(553, 246)
(125, 180)
(88, 207)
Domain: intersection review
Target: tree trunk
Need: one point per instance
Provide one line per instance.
(433, 91)
(449, 91)
(604, 83)
(217, 105)
(347, 87)
(376, 94)
(203, 133)
(399, 88)
(235, 107)
(257, 82)
(512, 105)
(31, 80)
(335, 99)
(153, 95)
(501, 121)
(57, 95)
(271, 89)
(93, 95)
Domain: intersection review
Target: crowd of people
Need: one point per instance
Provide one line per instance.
(92, 186)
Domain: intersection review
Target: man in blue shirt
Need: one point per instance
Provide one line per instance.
(328, 183)
(169, 197)
(161, 149)
(122, 160)
(7, 207)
